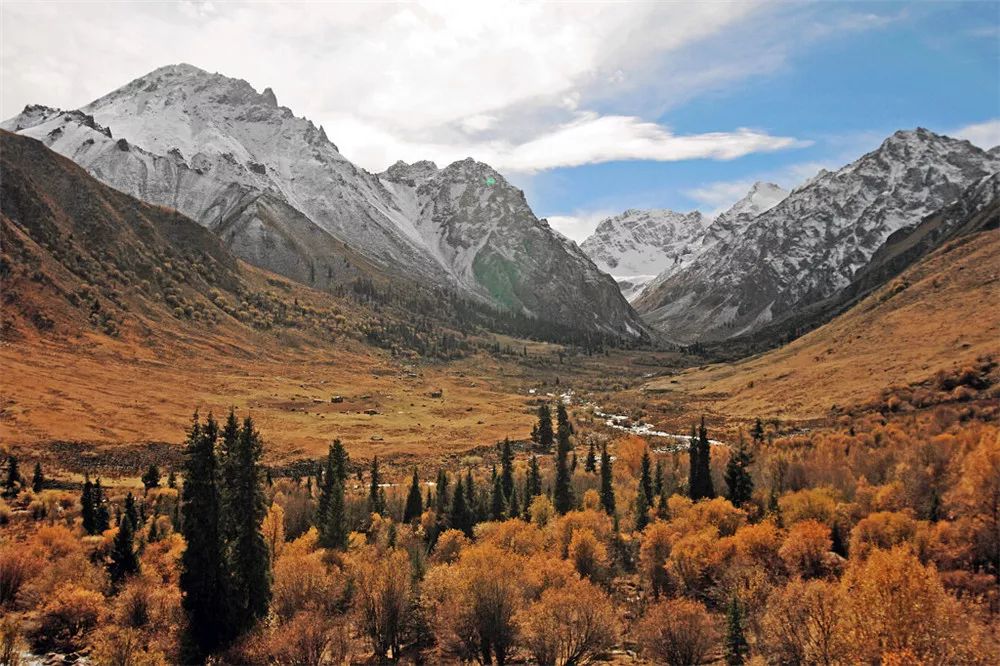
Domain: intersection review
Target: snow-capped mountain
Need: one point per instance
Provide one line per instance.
(281, 195)
(644, 247)
(761, 198)
(637, 245)
(813, 242)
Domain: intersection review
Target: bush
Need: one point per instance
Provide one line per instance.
(68, 616)
(677, 632)
(569, 625)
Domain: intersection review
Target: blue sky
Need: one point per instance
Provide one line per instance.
(591, 107)
(936, 66)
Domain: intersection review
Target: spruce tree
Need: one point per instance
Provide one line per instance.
(246, 507)
(646, 477)
(13, 482)
(739, 483)
(705, 460)
(564, 500)
(172, 479)
(694, 466)
(102, 516)
(533, 482)
(441, 503)
(131, 513)
(590, 464)
(88, 510)
(471, 496)
(736, 642)
(658, 480)
(203, 563)
(124, 559)
(513, 507)
(545, 434)
(37, 479)
(641, 509)
(607, 486)
(414, 502)
(507, 469)
(151, 479)
(758, 431)
(376, 498)
(497, 503)
(460, 517)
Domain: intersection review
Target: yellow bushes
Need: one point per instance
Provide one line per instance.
(805, 548)
(677, 632)
(568, 625)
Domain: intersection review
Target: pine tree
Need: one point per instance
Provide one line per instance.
(774, 508)
(646, 477)
(739, 483)
(545, 435)
(758, 431)
(151, 479)
(37, 479)
(590, 464)
(471, 496)
(694, 466)
(607, 487)
(376, 498)
(658, 480)
(513, 507)
(13, 482)
(533, 482)
(497, 503)
(203, 563)
(507, 469)
(564, 500)
(88, 510)
(331, 519)
(124, 559)
(460, 517)
(736, 642)
(102, 517)
(441, 503)
(641, 509)
(414, 502)
(705, 460)
(245, 506)
(172, 479)
(132, 512)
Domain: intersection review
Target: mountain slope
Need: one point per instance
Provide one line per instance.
(235, 161)
(941, 313)
(811, 244)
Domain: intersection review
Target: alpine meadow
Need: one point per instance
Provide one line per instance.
(465, 333)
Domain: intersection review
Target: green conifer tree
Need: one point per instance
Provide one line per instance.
(102, 514)
(13, 483)
(590, 464)
(507, 469)
(376, 498)
(441, 503)
(497, 501)
(151, 479)
(245, 507)
(124, 559)
(564, 500)
(37, 479)
(203, 579)
(533, 482)
(739, 483)
(88, 510)
(607, 486)
(737, 647)
(545, 434)
(460, 518)
(414, 502)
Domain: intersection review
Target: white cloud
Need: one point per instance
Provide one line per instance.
(714, 198)
(580, 224)
(438, 80)
(986, 135)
